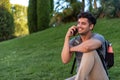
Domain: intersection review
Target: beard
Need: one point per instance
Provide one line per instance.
(84, 32)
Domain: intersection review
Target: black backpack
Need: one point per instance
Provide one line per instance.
(109, 56)
(107, 61)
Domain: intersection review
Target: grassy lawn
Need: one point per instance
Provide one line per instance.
(38, 56)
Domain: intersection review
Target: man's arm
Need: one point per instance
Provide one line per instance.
(87, 46)
(66, 54)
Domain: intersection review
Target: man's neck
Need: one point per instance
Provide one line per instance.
(86, 36)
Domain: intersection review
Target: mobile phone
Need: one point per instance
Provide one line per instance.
(75, 32)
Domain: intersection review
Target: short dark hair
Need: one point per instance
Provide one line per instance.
(89, 16)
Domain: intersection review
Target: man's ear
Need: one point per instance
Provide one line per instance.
(91, 26)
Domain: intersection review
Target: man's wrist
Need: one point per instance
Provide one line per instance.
(67, 37)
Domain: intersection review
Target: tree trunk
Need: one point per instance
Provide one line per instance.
(90, 7)
(83, 5)
(95, 4)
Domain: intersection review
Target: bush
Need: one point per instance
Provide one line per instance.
(6, 24)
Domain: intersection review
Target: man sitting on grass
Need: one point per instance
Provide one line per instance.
(89, 65)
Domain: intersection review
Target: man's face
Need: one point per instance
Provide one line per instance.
(84, 26)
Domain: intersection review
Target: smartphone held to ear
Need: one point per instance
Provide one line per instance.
(75, 32)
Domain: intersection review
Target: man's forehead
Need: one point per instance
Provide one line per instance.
(82, 19)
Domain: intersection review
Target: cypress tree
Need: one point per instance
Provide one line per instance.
(43, 14)
(32, 16)
(52, 5)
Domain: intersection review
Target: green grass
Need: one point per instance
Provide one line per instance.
(38, 56)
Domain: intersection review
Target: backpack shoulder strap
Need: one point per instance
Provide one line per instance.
(102, 57)
(73, 65)
(103, 61)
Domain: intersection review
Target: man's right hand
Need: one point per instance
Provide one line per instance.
(66, 54)
(70, 31)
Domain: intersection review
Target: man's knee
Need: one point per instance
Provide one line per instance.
(71, 78)
(90, 54)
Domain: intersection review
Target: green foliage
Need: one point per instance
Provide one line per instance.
(71, 1)
(97, 12)
(56, 19)
(6, 20)
(32, 16)
(6, 24)
(77, 7)
(117, 7)
(67, 15)
(109, 9)
(38, 56)
(20, 20)
(39, 12)
(51, 5)
(43, 14)
(5, 4)
(67, 12)
(90, 7)
(72, 12)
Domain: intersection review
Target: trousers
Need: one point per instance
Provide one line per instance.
(91, 68)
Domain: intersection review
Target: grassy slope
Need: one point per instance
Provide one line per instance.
(37, 56)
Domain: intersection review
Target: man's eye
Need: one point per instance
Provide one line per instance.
(83, 23)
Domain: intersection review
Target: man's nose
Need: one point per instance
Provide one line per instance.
(79, 25)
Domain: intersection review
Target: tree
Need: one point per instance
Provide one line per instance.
(117, 7)
(90, 5)
(6, 24)
(5, 4)
(39, 14)
(83, 5)
(95, 4)
(71, 1)
(67, 15)
(43, 14)
(109, 9)
(32, 16)
(20, 20)
(6, 20)
(52, 5)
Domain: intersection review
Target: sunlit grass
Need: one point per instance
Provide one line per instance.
(38, 56)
